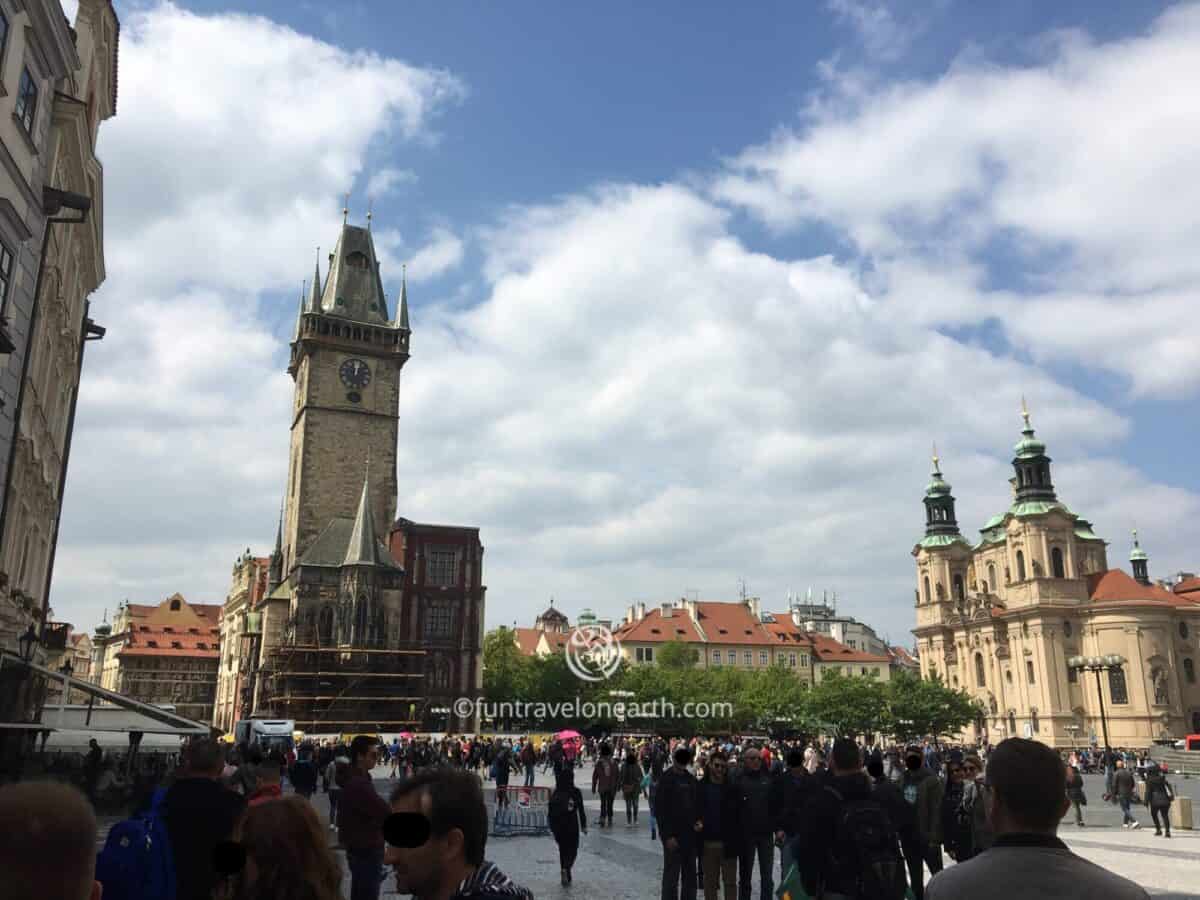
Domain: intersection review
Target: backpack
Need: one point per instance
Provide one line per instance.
(136, 862)
(867, 862)
(562, 808)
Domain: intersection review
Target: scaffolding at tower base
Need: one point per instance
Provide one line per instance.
(343, 689)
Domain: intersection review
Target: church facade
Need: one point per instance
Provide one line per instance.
(1001, 617)
(353, 633)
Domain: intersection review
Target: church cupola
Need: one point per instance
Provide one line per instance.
(1140, 562)
(1032, 465)
(939, 504)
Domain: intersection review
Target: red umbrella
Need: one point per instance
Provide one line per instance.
(568, 735)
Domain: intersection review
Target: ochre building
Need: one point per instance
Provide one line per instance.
(1001, 617)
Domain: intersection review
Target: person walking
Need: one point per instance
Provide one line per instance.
(604, 782)
(720, 837)
(650, 790)
(1159, 797)
(1075, 794)
(923, 792)
(972, 809)
(304, 773)
(796, 787)
(677, 810)
(758, 810)
(501, 769)
(335, 775)
(361, 813)
(631, 787)
(567, 819)
(1123, 788)
(529, 761)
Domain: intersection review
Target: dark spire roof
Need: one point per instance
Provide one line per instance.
(364, 549)
(402, 315)
(314, 296)
(353, 288)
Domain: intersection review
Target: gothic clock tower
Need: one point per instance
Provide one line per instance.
(346, 360)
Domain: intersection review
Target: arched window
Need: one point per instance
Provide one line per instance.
(360, 620)
(325, 625)
(1189, 670)
(941, 591)
(928, 596)
(1020, 565)
(1117, 690)
(1033, 721)
(960, 592)
(980, 677)
(991, 574)
(1056, 563)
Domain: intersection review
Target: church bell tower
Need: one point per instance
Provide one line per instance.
(346, 359)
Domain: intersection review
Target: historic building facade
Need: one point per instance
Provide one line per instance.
(163, 653)
(365, 622)
(1001, 617)
(249, 587)
(57, 84)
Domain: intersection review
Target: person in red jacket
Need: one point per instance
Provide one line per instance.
(361, 812)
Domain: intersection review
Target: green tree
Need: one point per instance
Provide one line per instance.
(920, 708)
(676, 655)
(505, 669)
(847, 706)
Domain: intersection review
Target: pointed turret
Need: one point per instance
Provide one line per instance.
(402, 314)
(1140, 562)
(299, 315)
(275, 574)
(1032, 465)
(353, 288)
(314, 295)
(364, 545)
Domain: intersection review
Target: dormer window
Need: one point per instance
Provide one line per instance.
(358, 260)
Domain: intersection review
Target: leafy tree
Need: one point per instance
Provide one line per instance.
(676, 654)
(847, 706)
(505, 669)
(920, 708)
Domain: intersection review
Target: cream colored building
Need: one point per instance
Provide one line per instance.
(57, 84)
(1000, 618)
(247, 590)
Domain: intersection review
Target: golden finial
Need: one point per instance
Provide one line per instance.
(935, 458)
(370, 204)
(346, 207)
(1024, 411)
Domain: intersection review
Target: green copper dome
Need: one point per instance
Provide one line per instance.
(1029, 445)
(938, 487)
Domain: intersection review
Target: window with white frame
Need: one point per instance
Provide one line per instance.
(747, 658)
(792, 660)
(733, 657)
(27, 96)
(442, 568)
(763, 658)
(716, 657)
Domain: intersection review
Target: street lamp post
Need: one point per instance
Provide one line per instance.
(1096, 665)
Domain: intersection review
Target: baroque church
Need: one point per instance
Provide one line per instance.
(362, 622)
(1001, 617)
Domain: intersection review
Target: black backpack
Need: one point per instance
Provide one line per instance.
(866, 852)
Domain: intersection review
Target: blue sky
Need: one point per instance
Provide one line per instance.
(693, 288)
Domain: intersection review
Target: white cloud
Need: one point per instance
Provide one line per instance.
(1077, 168)
(386, 180)
(442, 252)
(883, 36)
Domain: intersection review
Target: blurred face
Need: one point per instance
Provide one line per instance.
(955, 773)
(753, 760)
(418, 870)
(370, 759)
(970, 771)
(717, 768)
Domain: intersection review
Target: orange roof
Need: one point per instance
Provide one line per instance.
(1187, 585)
(828, 650)
(557, 640)
(170, 651)
(527, 640)
(654, 628)
(1118, 586)
(903, 656)
(731, 623)
(784, 629)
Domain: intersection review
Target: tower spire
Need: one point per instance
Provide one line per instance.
(1032, 465)
(402, 316)
(939, 504)
(314, 296)
(275, 574)
(1139, 561)
(363, 549)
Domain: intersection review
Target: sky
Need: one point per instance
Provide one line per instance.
(693, 289)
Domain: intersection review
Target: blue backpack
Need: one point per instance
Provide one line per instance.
(136, 862)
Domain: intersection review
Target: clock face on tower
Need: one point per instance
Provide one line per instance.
(355, 373)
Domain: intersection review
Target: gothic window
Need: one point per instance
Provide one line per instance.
(1056, 563)
(1020, 565)
(959, 591)
(360, 620)
(357, 260)
(980, 677)
(442, 568)
(1117, 690)
(325, 627)
(928, 596)
(438, 673)
(1189, 670)
(380, 626)
(438, 619)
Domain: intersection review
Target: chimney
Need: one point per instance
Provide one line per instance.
(629, 614)
(666, 610)
(796, 617)
(641, 610)
(690, 606)
(755, 604)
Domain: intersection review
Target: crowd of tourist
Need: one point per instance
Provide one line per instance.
(845, 820)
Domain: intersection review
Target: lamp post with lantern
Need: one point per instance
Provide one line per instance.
(1096, 665)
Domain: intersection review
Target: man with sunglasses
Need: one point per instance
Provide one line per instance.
(758, 809)
(436, 838)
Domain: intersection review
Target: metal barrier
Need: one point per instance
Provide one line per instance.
(519, 810)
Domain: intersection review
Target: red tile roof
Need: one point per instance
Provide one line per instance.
(557, 640)
(170, 651)
(527, 640)
(1118, 586)
(654, 628)
(828, 650)
(731, 623)
(1187, 585)
(904, 657)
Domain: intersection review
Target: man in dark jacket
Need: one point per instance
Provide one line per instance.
(200, 813)
(677, 812)
(822, 860)
(1123, 787)
(758, 808)
(361, 812)
(923, 792)
(903, 820)
(795, 788)
(720, 838)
